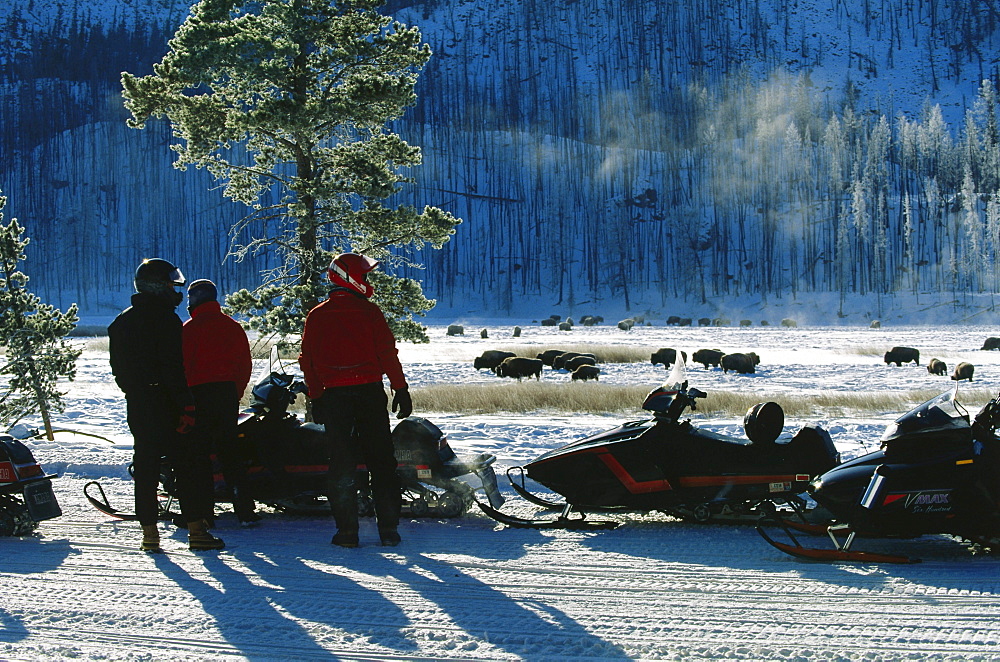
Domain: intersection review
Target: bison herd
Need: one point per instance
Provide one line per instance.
(963, 371)
(584, 366)
(581, 366)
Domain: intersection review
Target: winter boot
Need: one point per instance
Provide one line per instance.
(200, 539)
(345, 538)
(150, 539)
(389, 536)
(245, 508)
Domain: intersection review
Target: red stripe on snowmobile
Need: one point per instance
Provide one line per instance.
(631, 484)
(714, 481)
(892, 497)
(296, 468)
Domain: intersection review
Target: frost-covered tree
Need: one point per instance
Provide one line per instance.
(33, 336)
(294, 98)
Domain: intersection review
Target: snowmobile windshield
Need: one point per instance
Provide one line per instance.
(937, 414)
(677, 380)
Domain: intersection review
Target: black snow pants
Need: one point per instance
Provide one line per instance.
(152, 419)
(357, 428)
(217, 410)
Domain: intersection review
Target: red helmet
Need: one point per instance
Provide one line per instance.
(350, 270)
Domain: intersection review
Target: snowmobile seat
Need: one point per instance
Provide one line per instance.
(764, 422)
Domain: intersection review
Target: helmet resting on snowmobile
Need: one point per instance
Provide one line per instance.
(351, 270)
(160, 278)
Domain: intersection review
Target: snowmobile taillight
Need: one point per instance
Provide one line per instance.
(30, 470)
(7, 474)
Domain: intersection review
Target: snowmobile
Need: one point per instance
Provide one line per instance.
(286, 463)
(936, 472)
(669, 465)
(26, 496)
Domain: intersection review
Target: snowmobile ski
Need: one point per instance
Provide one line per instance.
(562, 521)
(102, 503)
(842, 551)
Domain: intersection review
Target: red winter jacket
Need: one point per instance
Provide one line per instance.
(216, 348)
(346, 341)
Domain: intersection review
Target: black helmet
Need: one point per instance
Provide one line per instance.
(159, 278)
(200, 291)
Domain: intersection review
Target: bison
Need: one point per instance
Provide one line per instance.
(963, 371)
(559, 362)
(456, 330)
(626, 324)
(875, 325)
(518, 367)
(901, 355)
(491, 358)
(789, 323)
(586, 372)
(575, 362)
(991, 343)
(673, 320)
(548, 321)
(565, 326)
(746, 323)
(484, 333)
(708, 357)
(548, 356)
(666, 355)
(516, 332)
(937, 367)
(741, 363)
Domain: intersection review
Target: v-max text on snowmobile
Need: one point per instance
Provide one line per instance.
(936, 472)
(286, 462)
(669, 465)
(26, 496)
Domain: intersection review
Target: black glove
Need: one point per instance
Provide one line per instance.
(401, 401)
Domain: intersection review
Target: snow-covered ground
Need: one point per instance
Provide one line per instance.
(466, 588)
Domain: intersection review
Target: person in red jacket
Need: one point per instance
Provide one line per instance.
(218, 365)
(346, 348)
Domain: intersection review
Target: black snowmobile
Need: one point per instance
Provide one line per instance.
(667, 464)
(936, 472)
(286, 463)
(26, 496)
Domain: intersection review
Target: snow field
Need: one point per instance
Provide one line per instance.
(467, 589)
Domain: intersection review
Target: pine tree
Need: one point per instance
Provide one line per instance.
(34, 337)
(294, 98)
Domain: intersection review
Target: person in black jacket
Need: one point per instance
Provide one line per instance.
(148, 365)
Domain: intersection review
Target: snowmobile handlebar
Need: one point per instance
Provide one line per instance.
(669, 404)
(989, 416)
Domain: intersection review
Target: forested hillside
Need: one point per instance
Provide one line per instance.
(635, 152)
